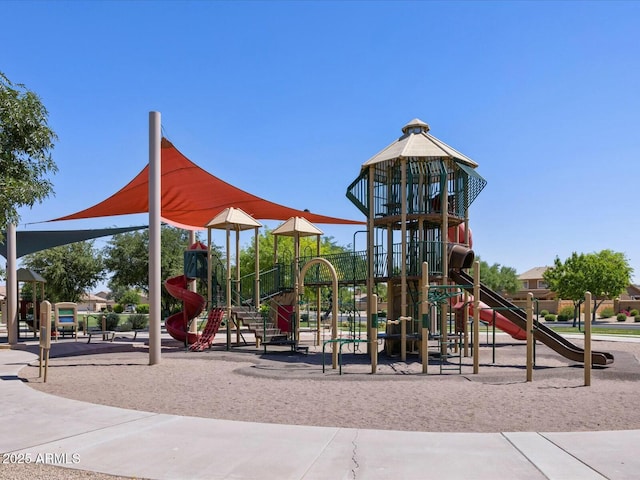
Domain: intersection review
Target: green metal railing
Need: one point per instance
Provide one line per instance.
(351, 268)
(272, 281)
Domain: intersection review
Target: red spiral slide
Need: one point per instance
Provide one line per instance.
(193, 304)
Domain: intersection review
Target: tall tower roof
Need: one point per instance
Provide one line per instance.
(416, 141)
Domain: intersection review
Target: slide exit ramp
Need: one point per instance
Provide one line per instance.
(542, 333)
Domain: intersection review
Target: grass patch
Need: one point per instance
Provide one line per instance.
(597, 331)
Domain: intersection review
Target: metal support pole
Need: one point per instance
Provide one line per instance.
(587, 339)
(493, 329)
(155, 172)
(256, 288)
(424, 345)
(374, 334)
(465, 323)
(444, 207)
(238, 297)
(209, 270)
(403, 249)
(529, 337)
(370, 249)
(229, 289)
(12, 286)
(403, 337)
(476, 317)
(192, 286)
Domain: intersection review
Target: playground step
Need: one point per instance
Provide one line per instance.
(253, 321)
(268, 331)
(273, 339)
(258, 328)
(250, 320)
(245, 314)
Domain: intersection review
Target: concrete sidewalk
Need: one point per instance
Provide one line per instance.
(43, 428)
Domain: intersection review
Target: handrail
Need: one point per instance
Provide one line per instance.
(273, 281)
(351, 267)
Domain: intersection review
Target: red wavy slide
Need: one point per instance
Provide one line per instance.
(193, 304)
(502, 322)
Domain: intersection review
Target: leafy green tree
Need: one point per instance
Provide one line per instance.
(567, 279)
(606, 274)
(130, 296)
(126, 257)
(115, 291)
(25, 144)
(498, 277)
(70, 270)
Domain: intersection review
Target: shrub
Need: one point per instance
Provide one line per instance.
(125, 327)
(567, 311)
(138, 321)
(563, 318)
(621, 317)
(382, 314)
(606, 312)
(636, 318)
(143, 308)
(544, 313)
(111, 321)
(118, 308)
(634, 313)
(549, 317)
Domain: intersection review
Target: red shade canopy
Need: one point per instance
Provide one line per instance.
(191, 197)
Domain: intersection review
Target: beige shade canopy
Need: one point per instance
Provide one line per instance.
(297, 226)
(416, 141)
(233, 218)
(26, 275)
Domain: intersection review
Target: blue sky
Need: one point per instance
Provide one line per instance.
(287, 99)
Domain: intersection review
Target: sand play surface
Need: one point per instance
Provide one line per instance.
(285, 387)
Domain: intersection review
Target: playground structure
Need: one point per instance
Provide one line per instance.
(415, 195)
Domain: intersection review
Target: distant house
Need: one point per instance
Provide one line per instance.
(94, 302)
(632, 293)
(103, 294)
(533, 281)
(106, 299)
(629, 300)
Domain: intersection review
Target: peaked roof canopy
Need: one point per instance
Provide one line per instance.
(26, 275)
(191, 197)
(234, 219)
(297, 226)
(416, 141)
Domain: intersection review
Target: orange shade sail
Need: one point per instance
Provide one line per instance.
(191, 197)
